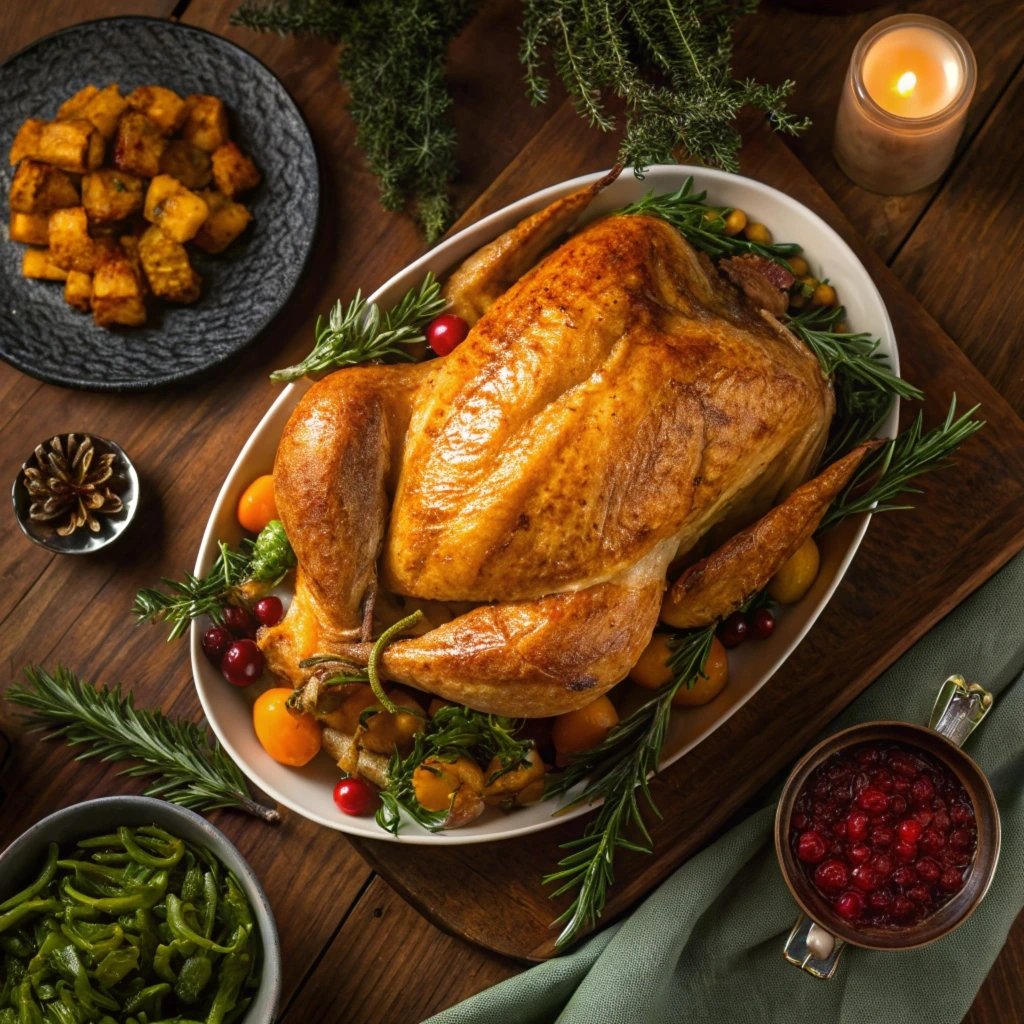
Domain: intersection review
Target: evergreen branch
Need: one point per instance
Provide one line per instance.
(190, 770)
(360, 333)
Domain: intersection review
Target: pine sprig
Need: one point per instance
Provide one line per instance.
(190, 770)
(360, 333)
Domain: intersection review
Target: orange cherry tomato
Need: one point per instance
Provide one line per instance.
(708, 686)
(257, 507)
(585, 727)
(290, 738)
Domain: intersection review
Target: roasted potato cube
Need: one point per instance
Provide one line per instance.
(39, 188)
(179, 212)
(109, 194)
(26, 142)
(32, 228)
(167, 268)
(165, 108)
(70, 244)
(104, 110)
(117, 295)
(207, 123)
(226, 222)
(189, 164)
(138, 146)
(74, 146)
(78, 290)
(72, 108)
(37, 263)
(130, 246)
(233, 171)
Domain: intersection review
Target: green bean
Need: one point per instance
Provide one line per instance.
(106, 941)
(89, 844)
(146, 895)
(145, 998)
(28, 1008)
(178, 925)
(26, 909)
(87, 869)
(210, 900)
(44, 879)
(137, 853)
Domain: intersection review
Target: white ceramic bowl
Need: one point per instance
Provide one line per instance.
(309, 790)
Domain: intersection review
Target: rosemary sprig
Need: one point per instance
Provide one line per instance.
(907, 456)
(190, 770)
(613, 772)
(360, 333)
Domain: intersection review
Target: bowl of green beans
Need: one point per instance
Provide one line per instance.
(130, 910)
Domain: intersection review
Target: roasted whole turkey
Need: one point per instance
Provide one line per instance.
(620, 413)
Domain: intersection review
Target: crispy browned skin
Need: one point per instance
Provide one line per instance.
(610, 407)
(720, 583)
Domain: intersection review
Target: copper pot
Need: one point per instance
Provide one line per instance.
(819, 935)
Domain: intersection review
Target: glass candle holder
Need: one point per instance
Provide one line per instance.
(904, 104)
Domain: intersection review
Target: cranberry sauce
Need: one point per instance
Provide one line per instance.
(885, 833)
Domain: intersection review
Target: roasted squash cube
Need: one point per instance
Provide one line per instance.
(109, 194)
(26, 142)
(138, 145)
(207, 123)
(78, 290)
(37, 263)
(188, 163)
(227, 220)
(39, 188)
(130, 247)
(74, 107)
(70, 244)
(167, 268)
(179, 212)
(233, 171)
(164, 107)
(74, 146)
(32, 228)
(104, 110)
(117, 294)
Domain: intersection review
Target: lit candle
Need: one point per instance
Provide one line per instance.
(904, 104)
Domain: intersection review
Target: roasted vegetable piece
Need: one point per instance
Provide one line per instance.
(78, 290)
(188, 163)
(75, 105)
(117, 294)
(26, 142)
(139, 145)
(226, 221)
(207, 123)
(130, 246)
(109, 194)
(104, 110)
(36, 263)
(179, 211)
(233, 171)
(39, 188)
(70, 244)
(74, 146)
(31, 228)
(164, 107)
(167, 268)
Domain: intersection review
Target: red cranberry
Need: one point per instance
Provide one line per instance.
(762, 624)
(909, 830)
(353, 796)
(927, 870)
(800, 821)
(904, 876)
(882, 838)
(901, 785)
(445, 333)
(920, 894)
(961, 814)
(864, 878)
(872, 800)
(904, 851)
(857, 827)
(868, 754)
(931, 841)
(858, 853)
(942, 820)
(242, 663)
(839, 829)
(268, 610)
(733, 632)
(950, 880)
(880, 899)
(897, 804)
(922, 790)
(831, 875)
(924, 817)
(960, 839)
(850, 905)
(216, 640)
(902, 907)
(883, 780)
(882, 864)
(811, 847)
(240, 621)
(904, 764)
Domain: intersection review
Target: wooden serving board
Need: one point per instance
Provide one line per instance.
(912, 568)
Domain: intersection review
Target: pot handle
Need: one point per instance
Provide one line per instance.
(958, 711)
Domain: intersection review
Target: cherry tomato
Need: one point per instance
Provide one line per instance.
(268, 610)
(257, 507)
(289, 737)
(353, 796)
(242, 663)
(446, 333)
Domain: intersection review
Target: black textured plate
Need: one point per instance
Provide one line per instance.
(242, 288)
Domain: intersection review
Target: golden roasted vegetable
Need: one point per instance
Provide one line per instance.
(189, 164)
(207, 123)
(233, 171)
(26, 142)
(130, 246)
(75, 106)
(104, 110)
(70, 244)
(109, 194)
(39, 188)
(179, 211)
(164, 107)
(227, 220)
(37, 263)
(74, 146)
(167, 269)
(78, 290)
(117, 294)
(139, 145)
(32, 228)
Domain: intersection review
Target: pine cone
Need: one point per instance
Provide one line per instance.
(71, 485)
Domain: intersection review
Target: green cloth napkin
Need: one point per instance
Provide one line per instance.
(707, 945)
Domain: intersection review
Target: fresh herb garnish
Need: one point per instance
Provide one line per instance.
(360, 333)
(190, 770)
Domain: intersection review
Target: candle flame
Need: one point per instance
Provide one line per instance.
(905, 86)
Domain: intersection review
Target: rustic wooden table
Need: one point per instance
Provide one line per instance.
(354, 951)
